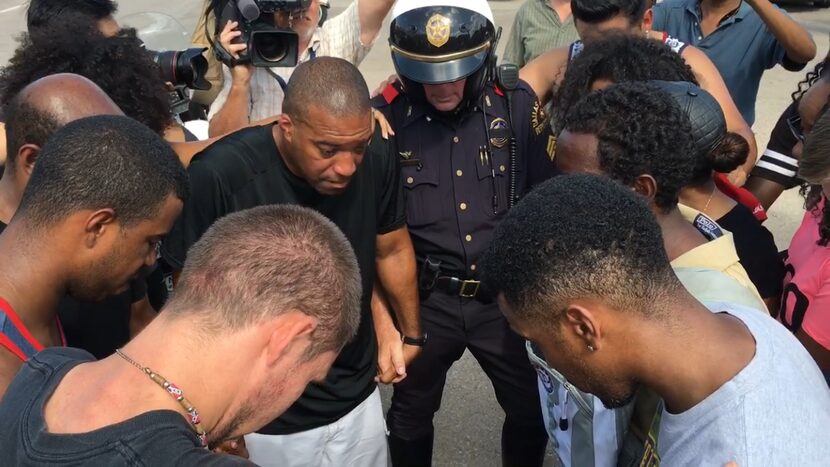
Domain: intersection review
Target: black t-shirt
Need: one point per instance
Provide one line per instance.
(99, 327)
(245, 170)
(157, 438)
(756, 250)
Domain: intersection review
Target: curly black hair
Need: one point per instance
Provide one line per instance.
(578, 236)
(47, 14)
(596, 11)
(640, 130)
(812, 76)
(815, 168)
(618, 59)
(118, 65)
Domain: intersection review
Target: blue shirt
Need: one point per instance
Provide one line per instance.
(741, 47)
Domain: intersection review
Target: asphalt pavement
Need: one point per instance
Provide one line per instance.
(469, 424)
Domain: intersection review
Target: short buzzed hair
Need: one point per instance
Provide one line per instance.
(576, 237)
(102, 162)
(284, 258)
(332, 84)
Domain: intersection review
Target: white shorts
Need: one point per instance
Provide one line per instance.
(357, 440)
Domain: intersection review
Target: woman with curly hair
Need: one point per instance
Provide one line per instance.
(617, 59)
(805, 306)
(119, 65)
(777, 168)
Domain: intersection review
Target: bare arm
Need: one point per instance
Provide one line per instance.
(796, 41)
(372, 14)
(710, 79)
(233, 113)
(544, 72)
(396, 275)
(391, 360)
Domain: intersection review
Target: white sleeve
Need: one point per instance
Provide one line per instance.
(340, 37)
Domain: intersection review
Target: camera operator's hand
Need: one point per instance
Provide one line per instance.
(240, 73)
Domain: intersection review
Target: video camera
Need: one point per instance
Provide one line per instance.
(268, 44)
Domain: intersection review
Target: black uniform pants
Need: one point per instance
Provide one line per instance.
(455, 324)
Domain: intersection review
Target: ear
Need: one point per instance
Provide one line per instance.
(289, 332)
(26, 158)
(287, 126)
(584, 324)
(97, 224)
(646, 186)
(648, 20)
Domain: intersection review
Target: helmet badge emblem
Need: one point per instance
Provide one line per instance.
(438, 30)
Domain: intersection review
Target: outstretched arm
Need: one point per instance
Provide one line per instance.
(371, 14)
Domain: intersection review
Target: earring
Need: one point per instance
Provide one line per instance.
(590, 348)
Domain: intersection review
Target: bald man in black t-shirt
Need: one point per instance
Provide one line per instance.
(322, 153)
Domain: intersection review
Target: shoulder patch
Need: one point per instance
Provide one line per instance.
(551, 148)
(538, 117)
(391, 92)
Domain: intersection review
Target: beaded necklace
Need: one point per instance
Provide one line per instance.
(175, 393)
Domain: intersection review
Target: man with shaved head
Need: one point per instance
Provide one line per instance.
(85, 212)
(321, 154)
(33, 115)
(236, 345)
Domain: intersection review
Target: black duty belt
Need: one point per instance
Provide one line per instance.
(431, 278)
(465, 288)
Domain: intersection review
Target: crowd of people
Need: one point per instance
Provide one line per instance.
(583, 215)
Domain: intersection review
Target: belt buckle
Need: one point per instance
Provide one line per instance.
(466, 286)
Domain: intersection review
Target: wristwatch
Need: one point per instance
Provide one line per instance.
(419, 341)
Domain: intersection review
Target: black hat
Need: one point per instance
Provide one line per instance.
(704, 112)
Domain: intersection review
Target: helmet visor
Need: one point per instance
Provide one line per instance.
(427, 70)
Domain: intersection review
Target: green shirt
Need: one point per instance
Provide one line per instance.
(537, 29)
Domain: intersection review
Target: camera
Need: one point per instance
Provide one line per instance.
(268, 45)
(183, 67)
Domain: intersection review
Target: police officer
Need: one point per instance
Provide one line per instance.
(460, 150)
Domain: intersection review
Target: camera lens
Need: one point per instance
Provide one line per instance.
(271, 47)
(183, 67)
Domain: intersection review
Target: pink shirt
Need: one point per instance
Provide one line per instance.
(806, 297)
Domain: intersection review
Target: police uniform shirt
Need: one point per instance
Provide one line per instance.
(451, 207)
(244, 170)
